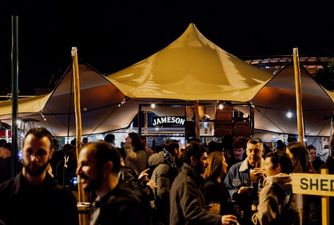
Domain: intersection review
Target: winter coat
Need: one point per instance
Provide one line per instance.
(123, 205)
(163, 174)
(48, 203)
(214, 191)
(275, 202)
(238, 176)
(129, 176)
(187, 205)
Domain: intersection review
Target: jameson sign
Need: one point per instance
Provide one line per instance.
(169, 121)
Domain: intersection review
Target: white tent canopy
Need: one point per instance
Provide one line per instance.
(278, 97)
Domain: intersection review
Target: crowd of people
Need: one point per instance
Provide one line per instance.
(201, 184)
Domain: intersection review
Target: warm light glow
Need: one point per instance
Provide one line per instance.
(289, 115)
(220, 106)
(152, 105)
(18, 122)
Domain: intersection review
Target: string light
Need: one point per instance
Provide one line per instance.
(43, 117)
(289, 114)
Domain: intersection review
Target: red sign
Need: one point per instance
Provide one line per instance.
(3, 133)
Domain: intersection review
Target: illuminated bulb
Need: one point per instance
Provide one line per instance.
(220, 106)
(152, 105)
(289, 115)
(18, 122)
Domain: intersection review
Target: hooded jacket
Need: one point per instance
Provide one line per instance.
(163, 174)
(275, 202)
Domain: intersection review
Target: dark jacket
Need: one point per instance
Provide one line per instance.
(187, 205)
(317, 164)
(163, 174)
(123, 205)
(129, 176)
(49, 203)
(214, 191)
(5, 165)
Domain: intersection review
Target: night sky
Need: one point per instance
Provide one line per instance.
(111, 35)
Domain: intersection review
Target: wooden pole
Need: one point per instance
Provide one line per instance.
(298, 88)
(325, 205)
(78, 122)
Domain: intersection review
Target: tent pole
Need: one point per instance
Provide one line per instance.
(78, 128)
(298, 88)
(69, 110)
(15, 77)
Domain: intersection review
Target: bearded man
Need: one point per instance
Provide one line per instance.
(116, 203)
(33, 196)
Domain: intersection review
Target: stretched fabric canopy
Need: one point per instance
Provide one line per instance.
(102, 104)
(278, 97)
(27, 105)
(191, 68)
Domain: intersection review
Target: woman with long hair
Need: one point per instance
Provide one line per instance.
(214, 190)
(308, 206)
(136, 157)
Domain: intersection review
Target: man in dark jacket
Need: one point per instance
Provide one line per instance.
(187, 205)
(116, 202)
(163, 174)
(33, 197)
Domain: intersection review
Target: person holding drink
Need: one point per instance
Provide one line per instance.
(243, 181)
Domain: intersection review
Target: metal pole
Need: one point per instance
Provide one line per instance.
(251, 119)
(140, 109)
(197, 128)
(15, 75)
